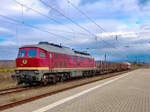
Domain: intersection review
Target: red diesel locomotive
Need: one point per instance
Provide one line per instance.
(46, 62)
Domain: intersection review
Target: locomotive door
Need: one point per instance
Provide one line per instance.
(50, 61)
(43, 58)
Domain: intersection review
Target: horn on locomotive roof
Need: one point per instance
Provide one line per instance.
(79, 52)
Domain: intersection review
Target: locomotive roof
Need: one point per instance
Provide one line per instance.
(58, 49)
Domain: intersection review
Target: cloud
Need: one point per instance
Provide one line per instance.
(4, 30)
(83, 2)
(8, 52)
(143, 2)
(121, 19)
(13, 9)
(98, 48)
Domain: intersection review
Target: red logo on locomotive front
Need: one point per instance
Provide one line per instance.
(24, 61)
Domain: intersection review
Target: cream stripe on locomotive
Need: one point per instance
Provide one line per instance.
(32, 68)
(74, 68)
(47, 68)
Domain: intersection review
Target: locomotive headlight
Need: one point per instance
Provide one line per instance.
(17, 71)
(44, 77)
(36, 71)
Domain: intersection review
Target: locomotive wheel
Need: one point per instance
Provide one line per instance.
(54, 80)
(19, 82)
(62, 78)
(44, 80)
(30, 84)
(45, 83)
(85, 75)
(68, 77)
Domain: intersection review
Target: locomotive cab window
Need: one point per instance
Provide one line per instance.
(32, 53)
(72, 58)
(42, 55)
(21, 53)
(81, 59)
(75, 58)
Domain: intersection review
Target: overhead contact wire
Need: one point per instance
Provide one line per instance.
(17, 21)
(73, 21)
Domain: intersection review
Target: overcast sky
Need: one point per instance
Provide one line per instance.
(129, 19)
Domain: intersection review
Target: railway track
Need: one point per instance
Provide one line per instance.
(17, 90)
(25, 88)
(20, 89)
(12, 90)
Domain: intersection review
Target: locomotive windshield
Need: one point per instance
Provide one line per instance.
(32, 53)
(21, 53)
